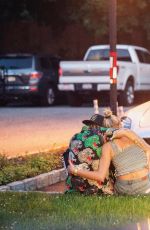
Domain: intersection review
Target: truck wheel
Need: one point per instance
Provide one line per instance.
(73, 100)
(49, 97)
(128, 96)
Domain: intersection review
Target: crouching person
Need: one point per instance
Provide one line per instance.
(84, 151)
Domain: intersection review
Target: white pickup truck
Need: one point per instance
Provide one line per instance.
(90, 77)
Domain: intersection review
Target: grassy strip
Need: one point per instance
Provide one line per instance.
(28, 166)
(22, 211)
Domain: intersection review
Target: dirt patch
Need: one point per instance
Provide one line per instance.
(58, 187)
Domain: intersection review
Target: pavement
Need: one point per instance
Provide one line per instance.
(30, 130)
(25, 130)
(56, 188)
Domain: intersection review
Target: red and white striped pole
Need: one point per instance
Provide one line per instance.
(113, 67)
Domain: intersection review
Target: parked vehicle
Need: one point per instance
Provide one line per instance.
(139, 117)
(91, 76)
(28, 76)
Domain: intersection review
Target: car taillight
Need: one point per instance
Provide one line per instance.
(60, 72)
(35, 75)
(34, 79)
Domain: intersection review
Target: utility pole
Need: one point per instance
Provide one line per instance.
(113, 54)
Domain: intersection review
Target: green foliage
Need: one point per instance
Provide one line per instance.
(8, 173)
(3, 161)
(132, 15)
(40, 163)
(92, 14)
(28, 166)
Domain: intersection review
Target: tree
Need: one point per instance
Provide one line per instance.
(92, 14)
(132, 17)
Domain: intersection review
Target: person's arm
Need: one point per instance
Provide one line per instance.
(102, 171)
(132, 136)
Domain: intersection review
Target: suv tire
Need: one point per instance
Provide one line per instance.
(49, 96)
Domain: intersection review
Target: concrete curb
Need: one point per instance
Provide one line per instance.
(37, 182)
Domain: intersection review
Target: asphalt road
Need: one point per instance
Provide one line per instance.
(26, 130)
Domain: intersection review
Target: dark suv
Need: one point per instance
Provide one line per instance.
(28, 76)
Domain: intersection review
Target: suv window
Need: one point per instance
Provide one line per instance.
(18, 62)
(44, 62)
(143, 56)
(49, 62)
(103, 54)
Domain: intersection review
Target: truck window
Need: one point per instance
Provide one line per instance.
(103, 54)
(98, 55)
(143, 56)
(140, 55)
(123, 55)
(147, 57)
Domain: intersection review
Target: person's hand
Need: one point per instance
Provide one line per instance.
(71, 167)
(118, 134)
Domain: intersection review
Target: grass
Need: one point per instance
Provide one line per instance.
(37, 211)
(30, 211)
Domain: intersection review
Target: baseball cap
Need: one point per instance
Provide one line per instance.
(96, 119)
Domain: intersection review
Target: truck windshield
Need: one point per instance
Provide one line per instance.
(103, 55)
(18, 62)
(98, 55)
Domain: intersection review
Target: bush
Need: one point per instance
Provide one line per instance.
(3, 161)
(41, 163)
(8, 174)
(1, 178)
(28, 166)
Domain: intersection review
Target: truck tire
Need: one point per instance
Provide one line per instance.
(73, 99)
(128, 96)
(49, 97)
